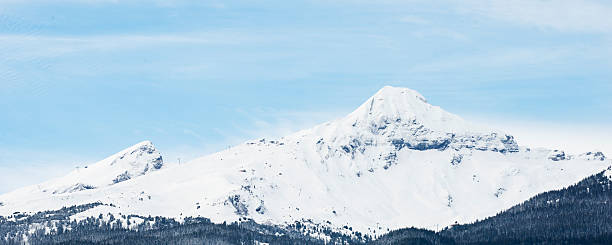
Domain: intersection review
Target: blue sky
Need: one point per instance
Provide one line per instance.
(80, 80)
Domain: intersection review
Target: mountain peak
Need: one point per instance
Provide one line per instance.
(139, 159)
(142, 143)
(390, 92)
(401, 118)
(404, 104)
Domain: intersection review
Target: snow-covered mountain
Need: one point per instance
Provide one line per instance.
(135, 161)
(395, 162)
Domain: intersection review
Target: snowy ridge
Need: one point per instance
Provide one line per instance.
(137, 160)
(395, 162)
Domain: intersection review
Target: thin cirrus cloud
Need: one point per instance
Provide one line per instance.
(412, 19)
(562, 15)
(500, 58)
(41, 45)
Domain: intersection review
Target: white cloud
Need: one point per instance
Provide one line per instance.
(561, 15)
(573, 138)
(412, 19)
(27, 46)
(440, 33)
(501, 58)
(273, 123)
(56, 45)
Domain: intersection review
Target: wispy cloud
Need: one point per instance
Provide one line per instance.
(274, 123)
(441, 33)
(40, 45)
(161, 3)
(413, 19)
(504, 58)
(561, 15)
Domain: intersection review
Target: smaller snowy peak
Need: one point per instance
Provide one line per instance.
(558, 155)
(133, 156)
(593, 156)
(137, 160)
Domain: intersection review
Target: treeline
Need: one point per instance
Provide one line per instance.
(165, 231)
(55, 227)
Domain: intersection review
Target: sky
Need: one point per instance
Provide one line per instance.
(83, 79)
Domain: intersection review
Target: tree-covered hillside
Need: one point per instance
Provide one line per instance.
(578, 214)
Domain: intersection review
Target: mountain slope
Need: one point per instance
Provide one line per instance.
(396, 161)
(577, 214)
(137, 160)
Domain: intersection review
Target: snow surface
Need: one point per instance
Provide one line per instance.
(132, 162)
(608, 173)
(395, 162)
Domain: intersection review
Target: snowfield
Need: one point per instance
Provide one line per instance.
(395, 162)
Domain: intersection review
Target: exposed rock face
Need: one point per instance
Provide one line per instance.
(557, 155)
(593, 156)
